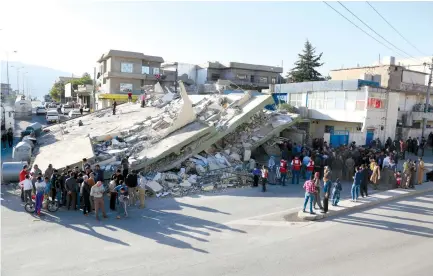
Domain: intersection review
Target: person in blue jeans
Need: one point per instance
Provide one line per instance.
(310, 190)
(296, 170)
(357, 179)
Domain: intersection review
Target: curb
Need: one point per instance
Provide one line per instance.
(375, 199)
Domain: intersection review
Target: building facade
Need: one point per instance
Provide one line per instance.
(121, 72)
(343, 111)
(408, 83)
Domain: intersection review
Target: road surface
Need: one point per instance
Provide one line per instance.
(240, 232)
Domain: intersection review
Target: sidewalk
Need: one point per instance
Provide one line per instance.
(374, 199)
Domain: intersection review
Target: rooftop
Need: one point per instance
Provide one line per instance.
(127, 54)
(239, 65)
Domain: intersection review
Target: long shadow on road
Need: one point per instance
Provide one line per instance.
(164, 227)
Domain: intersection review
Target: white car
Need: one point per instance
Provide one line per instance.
(41, 110)
(52, 116)
(74, 113)
(66, 109)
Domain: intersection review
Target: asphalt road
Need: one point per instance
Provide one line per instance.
(239, 232)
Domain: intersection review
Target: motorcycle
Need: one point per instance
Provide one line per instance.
(52, 205)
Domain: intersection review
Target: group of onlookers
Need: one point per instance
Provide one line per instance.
(82, 188)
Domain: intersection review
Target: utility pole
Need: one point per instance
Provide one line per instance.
(427, 100)
(94, 89)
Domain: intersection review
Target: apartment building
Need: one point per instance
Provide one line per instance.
(410, 86)
(344, 111)
(120, 72)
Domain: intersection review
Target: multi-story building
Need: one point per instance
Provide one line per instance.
(243, 75)
(343, 111)
(120, 72)
(410, 85)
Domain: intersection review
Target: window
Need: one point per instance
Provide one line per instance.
(156, 71)
(126, 67)
(215, 77)
(329, 129)
(145, 70)
(125, 87)
(316, 100)
(273, 80)
(241, 77)
(296, 99)
(252, 78)
(263, 79)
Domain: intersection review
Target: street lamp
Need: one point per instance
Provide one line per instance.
(7, 69)
(24, 75)
(18, 76)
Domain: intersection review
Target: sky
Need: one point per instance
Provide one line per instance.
(71, 35)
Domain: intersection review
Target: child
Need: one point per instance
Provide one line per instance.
(336, 189)
(265, 174)
(256, 175)
(122, 198)
(398, 178)
(40, 186)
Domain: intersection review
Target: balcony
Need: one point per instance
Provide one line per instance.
(415, 115)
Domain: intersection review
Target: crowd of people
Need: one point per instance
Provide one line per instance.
(83, 188)
(323, 167)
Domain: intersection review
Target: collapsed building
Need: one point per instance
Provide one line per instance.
(180, 143)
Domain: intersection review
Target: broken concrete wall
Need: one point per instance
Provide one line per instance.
(295, 135)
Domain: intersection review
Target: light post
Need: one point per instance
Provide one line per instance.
(18, 76)
(24, 90)
(7, 69)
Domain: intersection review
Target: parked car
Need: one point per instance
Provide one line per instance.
(74, 113)
(41, 110)
(67, 108)
(52, 116)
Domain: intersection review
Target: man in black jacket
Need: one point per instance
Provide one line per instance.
(132, 183)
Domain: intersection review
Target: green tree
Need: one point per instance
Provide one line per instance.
(57, 91)
(305, 67)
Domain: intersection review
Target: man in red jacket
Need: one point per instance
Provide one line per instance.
(296, 169)
(310, 169)
(22, 177)
(283, 171)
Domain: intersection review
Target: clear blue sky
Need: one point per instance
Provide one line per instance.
(195, 32)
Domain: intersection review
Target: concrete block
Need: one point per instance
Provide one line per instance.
(154, 186)
(247, 155)
(185, 183)
(207, 187)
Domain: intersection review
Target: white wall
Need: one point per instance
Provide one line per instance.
(201, 76)
(413, 77)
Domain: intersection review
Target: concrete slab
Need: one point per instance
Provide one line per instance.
(253, 106)
(173, 143)
(64, 153)
(102, 124)
(375, 199)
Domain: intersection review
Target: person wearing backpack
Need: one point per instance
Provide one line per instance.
(131, 182)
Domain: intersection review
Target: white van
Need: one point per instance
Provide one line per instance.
(53, 116)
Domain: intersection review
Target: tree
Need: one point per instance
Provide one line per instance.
(57, 92)
(304, 69)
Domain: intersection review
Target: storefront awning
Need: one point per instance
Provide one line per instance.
(119, 97)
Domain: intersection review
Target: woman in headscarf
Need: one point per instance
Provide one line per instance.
(317, 199)
(375, 175)
(85, 192)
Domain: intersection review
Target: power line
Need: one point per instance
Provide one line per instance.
(359, 27)
(396, 30)
(375, 31)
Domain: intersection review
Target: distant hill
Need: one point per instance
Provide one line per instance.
(40, 78)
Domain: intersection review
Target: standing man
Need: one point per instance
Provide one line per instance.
(356, 184)
(337, 167)
(4, 139)
(420, 171)
(49, 171)
(10, 135)
(423, 145)
(283, 171)
(125, 167)
(364, 181)
(310, 169)
(22, 177)
(296, 169)
(71, 191)
(27, 188)
(310, 190)
(131, 182)
(129, 97)
(85, 164)
(350, 167)
(114, 107)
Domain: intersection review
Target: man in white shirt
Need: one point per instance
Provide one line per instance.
(28, 187)
(385, 163)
